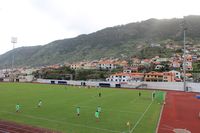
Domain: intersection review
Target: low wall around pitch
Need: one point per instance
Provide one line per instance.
(177, 86)
(158, 85)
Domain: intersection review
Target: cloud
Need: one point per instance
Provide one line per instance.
(31, 26)
(37, 22)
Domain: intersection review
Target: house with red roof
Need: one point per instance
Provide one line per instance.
(153, 77)
(168, 77)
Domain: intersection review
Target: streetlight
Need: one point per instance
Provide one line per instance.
(13, 41)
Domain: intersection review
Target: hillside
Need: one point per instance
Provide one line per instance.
(127, 40)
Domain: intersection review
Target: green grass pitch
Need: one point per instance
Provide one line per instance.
(58, 111)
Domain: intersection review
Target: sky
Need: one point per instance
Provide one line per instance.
(38, 22)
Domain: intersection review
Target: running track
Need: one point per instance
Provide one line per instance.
(180, 111)
(12, 127)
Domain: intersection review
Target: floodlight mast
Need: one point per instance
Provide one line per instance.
(184, 61)
(13, 41)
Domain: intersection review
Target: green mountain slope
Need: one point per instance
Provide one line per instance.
(126, 40)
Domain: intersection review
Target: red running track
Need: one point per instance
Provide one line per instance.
(12, 127)
(180, 112)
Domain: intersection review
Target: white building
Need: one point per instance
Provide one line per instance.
(176, 64)
(177, 74)
(130, 69)
(76, 66)
(25, 75)
(126, 77)
(2, 75)
(106, 65)
(155, 45)
(159, 67)
(162, 60)
(189, 66)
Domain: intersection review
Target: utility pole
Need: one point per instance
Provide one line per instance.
(13, 41)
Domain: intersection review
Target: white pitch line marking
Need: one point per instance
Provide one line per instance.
(138, 121)
(61, 122)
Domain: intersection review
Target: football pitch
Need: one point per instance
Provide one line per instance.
(58, 112)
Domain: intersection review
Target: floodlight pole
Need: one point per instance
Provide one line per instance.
(13, 41)
(13, 56)
(184, 62)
